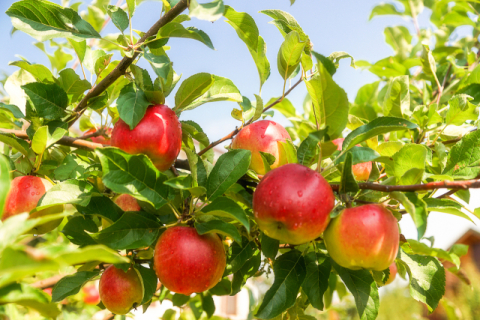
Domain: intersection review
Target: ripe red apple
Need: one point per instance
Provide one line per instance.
(90, 294)
(127, 203)
(361, 171)
(158, 135)
(393, 273)
(100, 139)
(363, 237)
(186, 262)
(24, 194)
(262, 136)
(120, 291)
(292, 204)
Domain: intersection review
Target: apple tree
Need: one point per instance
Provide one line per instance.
(316, 204)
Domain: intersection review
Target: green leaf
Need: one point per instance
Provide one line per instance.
(269, 246)
(339, 55)
(330, 102)
(446, 206)
(149, 281)
(119, 17)
(416, 207)
(316, 281)
(29, 297)
(75, 229)
(91, 57)
(463, 160)
(40, 72)
(461, 110)
(410, 156)
(400, 39)
(13, 109)
(289, 54)
(230, 167)
(43, 139)
(133, 230)
(134, 175)
(415, 247)
(131, 4)
(364, 289)
(428, 61)
(286, 23)
(72, 167)
(227, 208)
(384, 9)
(289, 150)
(261, 61)
(348, 183)
(397, 98)
(16, 143)
(242, 251)
(250, 268)
(91, 253)
(374, 128)
(80, 48)
(222, 89)
(258, 108)
(219, 226)
(66, 192)
(132, 105)
(211, 11)
(70, 285)
(245, 27)
(427, 278)
(72, 84)
(102, 64)
(177, 30)
(326, 62)
(4, 181)
(359, 155)
(290, 271)
(191, 89)
(44, 20)
(208, 304)
(48, 100)
(103, 207)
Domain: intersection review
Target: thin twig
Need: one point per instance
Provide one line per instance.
(454, 185)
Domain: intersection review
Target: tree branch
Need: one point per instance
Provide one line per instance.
(125, 62)
(454, 185)
(237, 130)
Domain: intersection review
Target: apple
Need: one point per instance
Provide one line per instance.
(393, 273)
(361, 171)
(90, 294)
(120, 291)
(100, 139)
(127, 203)
(292, 204)
(262, 136)
(363, 237)
(24, 194)
(186, 262)
(158, 135)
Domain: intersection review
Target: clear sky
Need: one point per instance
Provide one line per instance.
(340, 25)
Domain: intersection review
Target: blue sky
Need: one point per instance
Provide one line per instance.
(340, 25)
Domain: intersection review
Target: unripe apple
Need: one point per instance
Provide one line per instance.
(292, 204)
(24, 194)
(127, 203)
(90, 294)
(120, 291)
(363, 237)
(393, 273)
(100, 139)
(158, 135)
(186, 262)
(263, 136)
(361, 171)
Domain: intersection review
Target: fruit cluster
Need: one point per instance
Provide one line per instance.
(292, 203)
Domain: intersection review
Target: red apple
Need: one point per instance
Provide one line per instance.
(292, 204)
(24, 194)
(120, 291)
(48, 291)
(361, 171)
(186, 262)
(393, 273)
(363, 237)
(262, 136)
(127, 203)
(90, 294)
(158, 135)
(100, 139)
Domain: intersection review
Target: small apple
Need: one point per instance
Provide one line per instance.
(24, 194)
(120, 291)
(263, 136)
(393, 273)
(186, 262)
(158, 135)
(100, 139)
(127, 203)
(292, 204)
(48, 291)
(363, 237)
(90, 294)
(361, 171)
